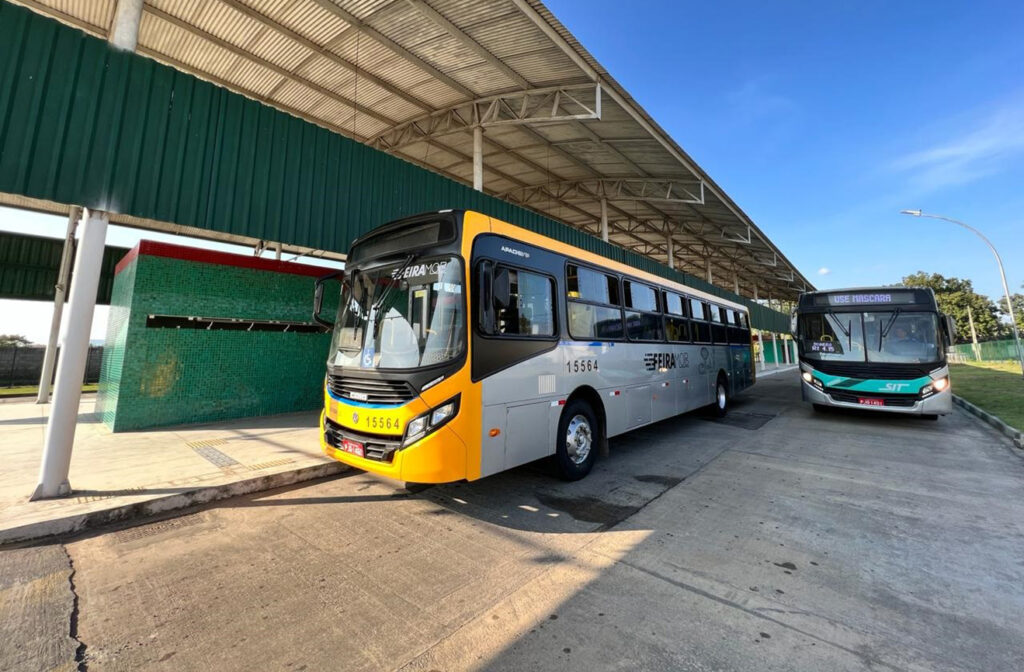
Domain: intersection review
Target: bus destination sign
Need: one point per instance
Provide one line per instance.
(865, 299)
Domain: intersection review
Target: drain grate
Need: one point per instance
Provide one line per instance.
(133, 533)
(215, 457)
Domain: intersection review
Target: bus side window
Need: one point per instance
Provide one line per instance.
(718, 329)
(677, 328)
(700, 328)
(594, 308)
(643, 321)
(530, 312)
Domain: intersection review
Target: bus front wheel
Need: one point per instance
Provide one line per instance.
(579, 436)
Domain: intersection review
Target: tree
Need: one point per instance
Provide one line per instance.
(1018, 308)
(954, 295)
(9, 340)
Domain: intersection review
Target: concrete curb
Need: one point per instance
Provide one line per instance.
(151, 507)
(772, 372)
(1014, 434)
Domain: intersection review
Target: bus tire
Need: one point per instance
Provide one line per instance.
(578, 440)
(721, 403)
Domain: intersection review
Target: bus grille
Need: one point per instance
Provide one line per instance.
(370, 391)
(900, 400)
(374, 447)
(871, 370)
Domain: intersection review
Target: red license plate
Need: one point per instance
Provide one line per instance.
(353, 447)
(868, 401)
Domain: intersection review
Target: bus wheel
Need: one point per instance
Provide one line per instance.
(578, 439)
(721, 397)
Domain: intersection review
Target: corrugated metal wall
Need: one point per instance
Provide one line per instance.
(29, 267)
(84, 124)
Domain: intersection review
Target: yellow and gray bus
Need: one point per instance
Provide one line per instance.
(465, 345)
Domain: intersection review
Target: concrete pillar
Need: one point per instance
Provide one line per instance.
(58, 306)
(277, 251)
(760, 349)
(478, 158)
(604, 219)
(707, 263)
(775, 349)
(755, 292)
(736, 283)
(124, 31)
(60, 427)
(785, 350)
(671, 250)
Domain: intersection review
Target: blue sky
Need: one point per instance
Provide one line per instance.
(822, 120)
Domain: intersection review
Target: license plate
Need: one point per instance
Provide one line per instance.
(868, 401)
(352, 447)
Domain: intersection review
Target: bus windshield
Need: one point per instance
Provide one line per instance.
(401, 316)
(894, 336)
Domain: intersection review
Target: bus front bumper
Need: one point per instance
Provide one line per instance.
(436, 458)
(939, 403)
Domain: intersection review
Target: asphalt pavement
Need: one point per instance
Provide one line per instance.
(774, 539)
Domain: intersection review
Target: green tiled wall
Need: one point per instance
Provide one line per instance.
(164, 376)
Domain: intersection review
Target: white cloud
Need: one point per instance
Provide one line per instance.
(979, 148)
(824, 270)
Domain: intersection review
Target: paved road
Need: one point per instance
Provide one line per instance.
(775, 540)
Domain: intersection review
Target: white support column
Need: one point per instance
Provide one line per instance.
(707, 263)
(277, 251)
(785, 350)
(124, 31)
(760, 349)
(60, 427)
(755, 293)
(671, 249)
(775, 349)
(735, 283)
(478, 158)
(58, 306)
(604, 219)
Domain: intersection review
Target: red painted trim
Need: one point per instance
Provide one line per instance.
(170, 251)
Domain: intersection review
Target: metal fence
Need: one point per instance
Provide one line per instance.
(991, 351)
(23, 366)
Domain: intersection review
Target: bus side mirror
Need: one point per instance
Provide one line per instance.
(792, 323)
(318, 297)
(501, 289)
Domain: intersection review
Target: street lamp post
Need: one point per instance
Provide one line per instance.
(1002, 274)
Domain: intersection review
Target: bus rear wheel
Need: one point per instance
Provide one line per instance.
(579, 436)
(721, 397)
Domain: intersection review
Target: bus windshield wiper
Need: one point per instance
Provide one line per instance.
(888, 325)
(396, 277)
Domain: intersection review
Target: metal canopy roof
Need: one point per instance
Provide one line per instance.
(414, 77)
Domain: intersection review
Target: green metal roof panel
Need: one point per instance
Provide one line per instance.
(86, 124)
(29, 267)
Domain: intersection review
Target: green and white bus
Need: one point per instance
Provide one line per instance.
(880, 348)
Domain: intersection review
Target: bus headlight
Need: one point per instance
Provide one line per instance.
(807, 376)
(431, 420)
(442, 413)
(934, 386)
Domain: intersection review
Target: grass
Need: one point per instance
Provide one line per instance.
(996, 387)
(29, 390)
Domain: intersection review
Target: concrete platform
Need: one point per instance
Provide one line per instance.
(132, 474)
